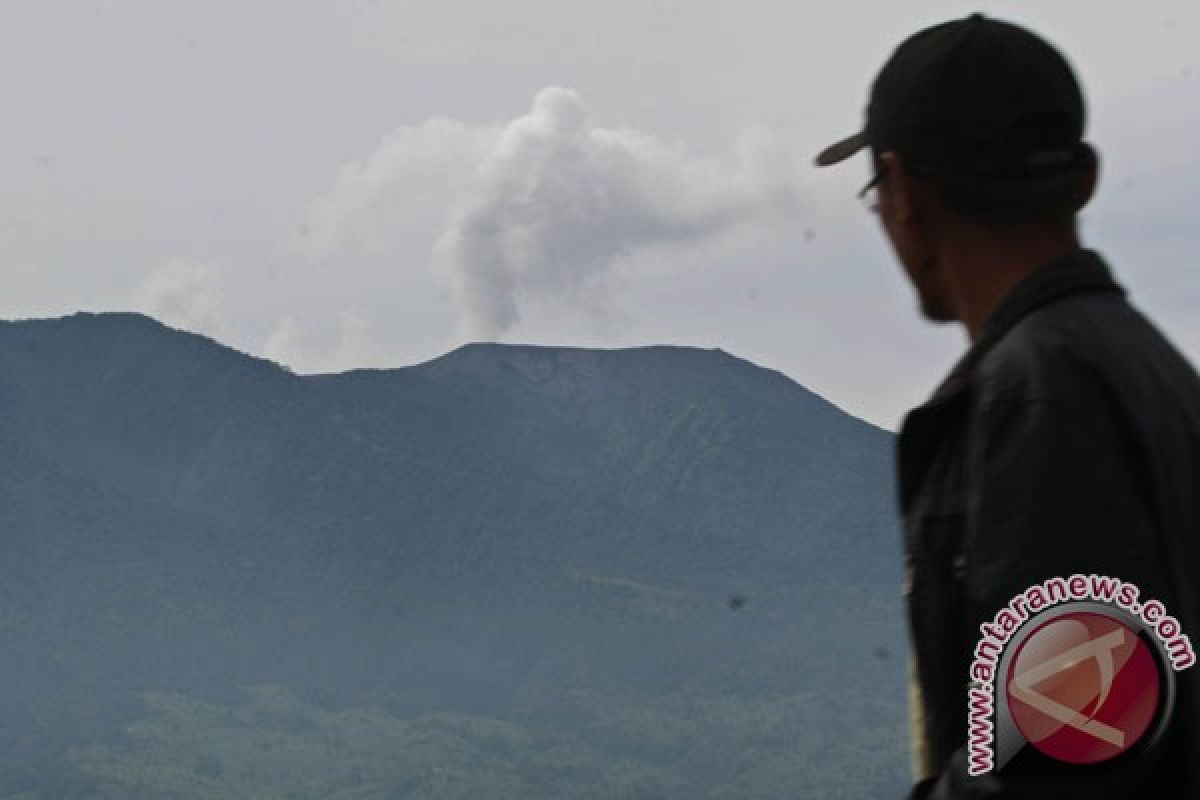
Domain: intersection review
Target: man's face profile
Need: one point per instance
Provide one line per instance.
(899, 221)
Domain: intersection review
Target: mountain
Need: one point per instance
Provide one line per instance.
(590, 545)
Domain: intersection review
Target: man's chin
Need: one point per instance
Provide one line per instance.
(936, 314)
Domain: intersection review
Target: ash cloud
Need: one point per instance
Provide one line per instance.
(547, 207)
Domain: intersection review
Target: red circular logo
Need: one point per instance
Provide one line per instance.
(1083, 687)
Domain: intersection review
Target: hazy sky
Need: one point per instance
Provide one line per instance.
(344, 184)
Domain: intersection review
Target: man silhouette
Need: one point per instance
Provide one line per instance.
(1066, 439)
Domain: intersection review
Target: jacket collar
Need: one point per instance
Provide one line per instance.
(1080, 270)
(922, 431)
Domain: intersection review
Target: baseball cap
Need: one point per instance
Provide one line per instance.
(975, 98)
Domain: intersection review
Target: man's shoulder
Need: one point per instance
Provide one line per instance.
(1058, 344)
(1088, 344)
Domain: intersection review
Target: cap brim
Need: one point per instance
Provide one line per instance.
(840, 151)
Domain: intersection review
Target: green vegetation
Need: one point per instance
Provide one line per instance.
(272, 745)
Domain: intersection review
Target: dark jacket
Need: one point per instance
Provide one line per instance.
(1065, 440)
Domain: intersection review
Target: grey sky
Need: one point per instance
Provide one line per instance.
(342, 184)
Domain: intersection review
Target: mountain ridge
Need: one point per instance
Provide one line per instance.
(456, 358)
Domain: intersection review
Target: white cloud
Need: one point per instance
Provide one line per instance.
(544, 208)
(283, 343)
(413, 170)
(291, 346)
(185, 295)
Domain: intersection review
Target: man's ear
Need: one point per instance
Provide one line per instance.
(1088, 189)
